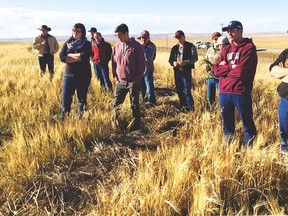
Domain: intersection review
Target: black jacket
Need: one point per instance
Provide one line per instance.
(189, 54)
(81, 68)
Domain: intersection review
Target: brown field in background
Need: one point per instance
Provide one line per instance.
(177, 165)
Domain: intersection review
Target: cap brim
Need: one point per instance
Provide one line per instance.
(224, 29)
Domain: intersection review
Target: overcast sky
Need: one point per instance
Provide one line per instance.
(22, 18)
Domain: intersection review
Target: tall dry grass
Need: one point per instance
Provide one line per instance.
(178, 165)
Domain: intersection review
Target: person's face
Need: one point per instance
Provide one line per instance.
(235, 34)
(123, 37)
(214, 41)
(97, 37)
(143, 40)
(221, 46)
(77, 33)
(181, 39)
(92, 33)
(44, 31)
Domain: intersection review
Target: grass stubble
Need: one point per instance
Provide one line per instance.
(177, 165)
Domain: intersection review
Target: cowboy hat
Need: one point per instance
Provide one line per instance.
(44, 27)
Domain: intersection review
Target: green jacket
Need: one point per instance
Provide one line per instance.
(40, 48)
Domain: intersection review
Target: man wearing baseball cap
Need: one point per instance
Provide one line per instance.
(101, 52)
(98, 73)
(183, 55)
(236, 68)
(147, 82)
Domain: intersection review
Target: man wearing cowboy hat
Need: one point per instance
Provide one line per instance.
(46, 46)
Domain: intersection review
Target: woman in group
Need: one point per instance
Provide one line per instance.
(76, 53)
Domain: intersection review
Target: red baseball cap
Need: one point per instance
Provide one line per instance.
(145, 34)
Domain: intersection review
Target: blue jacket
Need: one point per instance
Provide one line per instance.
(150, 55)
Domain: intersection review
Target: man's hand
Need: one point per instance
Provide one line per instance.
(176, 64)
(182, 63)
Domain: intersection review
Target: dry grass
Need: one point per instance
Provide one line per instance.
(177, 165)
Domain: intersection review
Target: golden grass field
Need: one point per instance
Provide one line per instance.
(177, 165)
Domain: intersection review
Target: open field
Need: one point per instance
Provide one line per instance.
(278, 41)
(177, 165)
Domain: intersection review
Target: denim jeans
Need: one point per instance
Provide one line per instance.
(47, 59)
(70, 84)
(283, 123)
(102, 74)
(183, 82)
(243, 103)
(212, 86)
(147, 84)
(121, 90)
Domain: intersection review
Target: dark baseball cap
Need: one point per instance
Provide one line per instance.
(233, 24)
(93, 29)
(179, 34)
(122, 28)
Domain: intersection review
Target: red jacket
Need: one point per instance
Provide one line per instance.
(101, 52)
(240, 79)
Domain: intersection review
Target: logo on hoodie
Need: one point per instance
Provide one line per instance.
(232, 57)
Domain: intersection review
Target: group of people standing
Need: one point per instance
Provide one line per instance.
(132, 67)
(231, 68)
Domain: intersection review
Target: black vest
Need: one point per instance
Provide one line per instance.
(187, 54)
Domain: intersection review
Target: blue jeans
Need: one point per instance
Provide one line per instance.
(183, 82)
(243, 103)
(147, 84)
(283, 123)
(70, 84)
(47, 59)
(121, 90)
(102, 74)
(212, 85)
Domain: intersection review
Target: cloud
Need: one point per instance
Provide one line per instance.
(20, 22)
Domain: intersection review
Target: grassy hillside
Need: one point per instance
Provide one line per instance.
(177, 165)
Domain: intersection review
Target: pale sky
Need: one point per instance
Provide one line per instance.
(22, 18)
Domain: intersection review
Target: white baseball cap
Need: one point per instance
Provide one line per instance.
(222, 40)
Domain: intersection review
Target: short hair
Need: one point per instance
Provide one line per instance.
(122, 28)
(215, 35)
